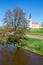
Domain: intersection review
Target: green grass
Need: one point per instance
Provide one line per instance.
(34, 45)
(35, 31)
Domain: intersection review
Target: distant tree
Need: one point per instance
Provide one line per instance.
(42, 24)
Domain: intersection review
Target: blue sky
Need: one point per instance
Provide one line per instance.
(35, 7)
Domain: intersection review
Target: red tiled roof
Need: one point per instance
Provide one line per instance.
(34, 22)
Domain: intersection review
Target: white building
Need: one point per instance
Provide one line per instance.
(32, 24)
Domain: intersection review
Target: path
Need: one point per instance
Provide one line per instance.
(35, 36)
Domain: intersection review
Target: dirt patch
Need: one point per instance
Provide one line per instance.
(34, 36)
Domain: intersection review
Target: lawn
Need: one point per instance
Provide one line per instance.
(35, 31)
(34, 45)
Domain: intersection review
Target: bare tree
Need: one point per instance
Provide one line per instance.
(18, 18)
(18, 21)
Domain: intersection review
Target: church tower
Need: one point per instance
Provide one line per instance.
(30, 21)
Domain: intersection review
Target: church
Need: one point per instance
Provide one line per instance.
(33, 24)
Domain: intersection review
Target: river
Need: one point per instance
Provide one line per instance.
(12, 55)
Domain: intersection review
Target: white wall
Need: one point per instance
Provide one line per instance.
(35, 26)
(30, 23)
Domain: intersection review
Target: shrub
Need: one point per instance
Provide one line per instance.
(11, 39)
(14, 40)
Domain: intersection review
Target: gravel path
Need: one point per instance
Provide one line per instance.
(35, 36)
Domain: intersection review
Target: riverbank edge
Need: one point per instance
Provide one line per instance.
(31, 51)
(28, 49)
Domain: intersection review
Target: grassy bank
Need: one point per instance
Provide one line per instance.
(35, 31)
(33, 45)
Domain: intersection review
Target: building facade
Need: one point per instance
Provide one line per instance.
(32, 24)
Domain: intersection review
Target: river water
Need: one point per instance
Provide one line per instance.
(12, 55)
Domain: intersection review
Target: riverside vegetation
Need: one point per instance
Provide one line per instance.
(31, 44)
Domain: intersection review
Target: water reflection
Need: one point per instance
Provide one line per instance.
(16, 56)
